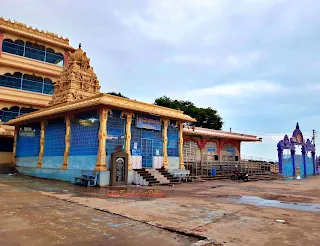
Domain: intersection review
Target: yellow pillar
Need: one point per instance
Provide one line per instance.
(41, 152)
(67, 143)
(128, 137)
(165, 143)
(101, 157)
(181, 161)
(14, 157)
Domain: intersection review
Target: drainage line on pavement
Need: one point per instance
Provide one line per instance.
(190, 234)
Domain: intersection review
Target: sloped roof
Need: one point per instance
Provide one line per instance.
(106, 100)
(189, 130)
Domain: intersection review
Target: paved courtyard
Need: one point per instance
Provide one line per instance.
(40, 212)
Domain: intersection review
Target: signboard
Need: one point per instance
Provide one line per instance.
(148, 122)
(27, 132)
(211, 150)
(230, 150)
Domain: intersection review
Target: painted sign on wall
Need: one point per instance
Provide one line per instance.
(27, 132)
(230, 150)
(148, 122)
(211, 150)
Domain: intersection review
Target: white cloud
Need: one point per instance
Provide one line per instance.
(235, 61)
(192, 59)
(174, 21)
(236, 89)
(240, 61)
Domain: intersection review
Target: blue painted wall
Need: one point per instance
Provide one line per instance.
(82, 162)
(52, 161)
(54, 137)
(28, 141)
(27, 161)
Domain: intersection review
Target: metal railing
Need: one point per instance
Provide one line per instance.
(27, 85)
(205, 169)
(37, 54)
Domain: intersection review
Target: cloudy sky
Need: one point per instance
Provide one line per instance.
(256, 61)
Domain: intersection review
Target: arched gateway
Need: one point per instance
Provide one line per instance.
(292, 163)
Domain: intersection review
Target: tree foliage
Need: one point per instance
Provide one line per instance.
(206, 117)
(118, 94)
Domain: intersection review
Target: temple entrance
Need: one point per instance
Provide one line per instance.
(296, 156)
(287, 167)
(146, 152)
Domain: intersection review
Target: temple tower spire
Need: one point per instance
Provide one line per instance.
(77, 81)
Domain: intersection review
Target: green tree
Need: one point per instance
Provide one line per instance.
(206, 117)
(118, 94)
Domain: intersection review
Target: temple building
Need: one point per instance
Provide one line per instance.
(55, 123)
(81, 128)
(207, 145)
(31, 61)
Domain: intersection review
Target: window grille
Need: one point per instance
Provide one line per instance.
(9, 114)
(138, 133)
(157, 143)
(84, 139)
(54, 144)
(189, 151)
(173, 138)
(115, 132)
(28, 141)
(32, 51)
(28, 83)
(135, 139)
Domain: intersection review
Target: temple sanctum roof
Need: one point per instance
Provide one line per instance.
(114, 102)
(189, 130)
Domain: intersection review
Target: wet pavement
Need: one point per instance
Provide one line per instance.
(232, 213)
(29, 218)
(258, 201)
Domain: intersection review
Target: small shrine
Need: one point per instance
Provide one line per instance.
(293, 163)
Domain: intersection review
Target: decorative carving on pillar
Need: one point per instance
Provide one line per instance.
(181, 162)
(101, 157)
(165, 142)
(14, 154)
(67, 143)
(41, 152)
(77, 80)
(129, 116)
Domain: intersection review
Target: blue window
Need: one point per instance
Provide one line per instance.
(7, 114)
(115, 132)
(27, 82)
(173, 138)
(28, 141)
(84, 139)
(33, 51)
(54, 143)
